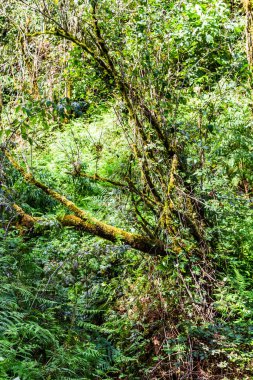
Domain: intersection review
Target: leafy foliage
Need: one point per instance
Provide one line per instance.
(141, 114)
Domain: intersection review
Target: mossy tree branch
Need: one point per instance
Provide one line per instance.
(85, 222)
(147, 125)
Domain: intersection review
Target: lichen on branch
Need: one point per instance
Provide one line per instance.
(85, 222)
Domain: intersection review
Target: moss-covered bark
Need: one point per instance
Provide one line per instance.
(249, 32)
(26, 220)
(85, 222)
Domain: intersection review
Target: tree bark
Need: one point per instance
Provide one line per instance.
(249, 30)
(85, 222)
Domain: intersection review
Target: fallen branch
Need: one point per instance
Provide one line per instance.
(85, 222)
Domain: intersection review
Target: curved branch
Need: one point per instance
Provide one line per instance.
(83, 221)
(96, 177)
(129, 185)
(129, 95)
(64, 34)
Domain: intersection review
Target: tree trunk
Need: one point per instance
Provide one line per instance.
(249, 30)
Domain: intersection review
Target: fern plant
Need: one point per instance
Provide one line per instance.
(48, 327)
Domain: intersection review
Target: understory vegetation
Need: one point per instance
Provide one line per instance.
(126, 190)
